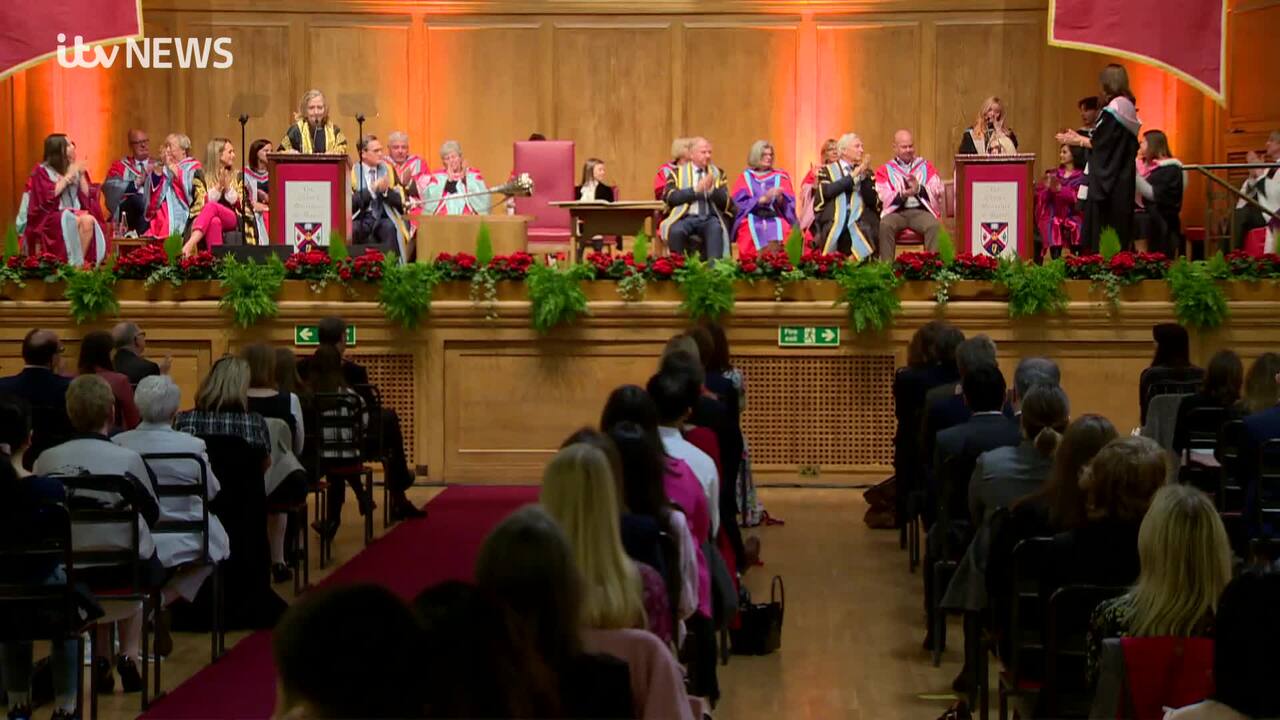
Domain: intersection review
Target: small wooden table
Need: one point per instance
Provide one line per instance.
(457, 233)
(625, 217)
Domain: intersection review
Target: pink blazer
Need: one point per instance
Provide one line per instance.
(657, 686)
(684, 490)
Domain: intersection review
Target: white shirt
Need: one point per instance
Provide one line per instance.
(700, 207)
(95, 456)
(174, 549)
(704, 468)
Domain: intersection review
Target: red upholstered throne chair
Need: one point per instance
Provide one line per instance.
(550, 163)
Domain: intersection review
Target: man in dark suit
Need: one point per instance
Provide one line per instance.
(131, 344)
(986, 429)
(43, 389)
(395, 466)
(1031, 371)
(944, 405)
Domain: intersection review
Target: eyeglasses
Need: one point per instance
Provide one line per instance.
(143, 141)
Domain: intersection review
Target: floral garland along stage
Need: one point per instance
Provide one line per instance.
(1257, 277)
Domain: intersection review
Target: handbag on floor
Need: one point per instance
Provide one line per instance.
(760, 632)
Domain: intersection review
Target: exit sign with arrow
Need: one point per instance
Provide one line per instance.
(310, 335)
(797, 336)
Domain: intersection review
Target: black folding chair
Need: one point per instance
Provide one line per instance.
(374, 443)
(101, 502)
(1022, 652)
(197, 491)
(1268, 491)
(31, 611)
(1226, 451)
(340, 447)
(953, 485)
(1067, 692)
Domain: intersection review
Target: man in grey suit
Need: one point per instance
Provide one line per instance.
(1006, 474)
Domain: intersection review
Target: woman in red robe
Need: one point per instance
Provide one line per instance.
(62, 208)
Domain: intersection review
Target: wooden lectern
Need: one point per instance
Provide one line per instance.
(995, 197)
(310, 197)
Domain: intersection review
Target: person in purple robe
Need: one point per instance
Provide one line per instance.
(764, 201)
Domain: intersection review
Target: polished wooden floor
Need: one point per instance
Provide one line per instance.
(852, 634)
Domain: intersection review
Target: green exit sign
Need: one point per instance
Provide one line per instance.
(310, 335)
(801, 336)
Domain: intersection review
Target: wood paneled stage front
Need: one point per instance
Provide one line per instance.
(487, 401)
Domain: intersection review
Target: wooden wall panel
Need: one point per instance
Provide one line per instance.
(744, 89)
(258, 82)
(859, 93)
(1255, 105)
(483, 91)
(980, 58)
(611, 94)
(360, 64)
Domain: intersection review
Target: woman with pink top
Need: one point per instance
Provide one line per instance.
(223, 190)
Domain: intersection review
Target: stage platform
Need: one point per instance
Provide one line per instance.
(488, 401)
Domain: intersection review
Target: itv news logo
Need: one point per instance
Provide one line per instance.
(159, 53)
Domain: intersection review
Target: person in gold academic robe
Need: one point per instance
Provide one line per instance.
(311, 132)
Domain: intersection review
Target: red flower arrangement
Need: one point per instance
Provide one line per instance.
(141, 262)
(820, 265)
(366, 267)
(1084, 267)
(309, 265)
(767, 264)
(917, 265)
(614, 267)
(456, 267)
(35, 267)
(201, 266)
(664, 268)
(1131, 266)
(1244, 266)
(975, 267)
(511, 267)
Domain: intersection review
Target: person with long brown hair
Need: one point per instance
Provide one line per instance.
(1221, 389)
(1113, 145)
(990, 133)
(1261, 389)
(95, 359)
(61, 212)
(1158, 221)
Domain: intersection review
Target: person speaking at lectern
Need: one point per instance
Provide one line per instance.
(377, 201)
(311, 132)
(990, 134)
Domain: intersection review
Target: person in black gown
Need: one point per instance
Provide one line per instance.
(1158, 220)
(1112, 172)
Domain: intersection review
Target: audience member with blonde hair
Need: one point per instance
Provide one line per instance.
(1185, 565)
(222, 407)
(1118, 486)
(578, 492)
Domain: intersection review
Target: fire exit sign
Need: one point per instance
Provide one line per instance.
(799, 336)
(310, 335)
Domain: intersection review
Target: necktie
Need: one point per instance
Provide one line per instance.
(702, 207)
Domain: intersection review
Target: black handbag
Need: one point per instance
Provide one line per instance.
(760, 631)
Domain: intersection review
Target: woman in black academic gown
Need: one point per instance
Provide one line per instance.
(1158, 220)
(1112, 172)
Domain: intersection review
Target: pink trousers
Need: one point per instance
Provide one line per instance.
(213, 219)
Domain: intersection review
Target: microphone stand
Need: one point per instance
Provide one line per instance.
(244, 120)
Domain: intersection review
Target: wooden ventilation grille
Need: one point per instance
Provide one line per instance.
(819, 412)
(394, 375)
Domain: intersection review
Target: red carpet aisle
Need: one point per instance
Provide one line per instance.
(413, 556)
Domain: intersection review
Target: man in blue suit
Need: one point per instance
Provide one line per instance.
(1258, 429)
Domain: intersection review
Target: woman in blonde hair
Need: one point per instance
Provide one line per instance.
(222, 407)
(989, 134)
(1185, 562)
(311, 131)
(579, 491)
(223, 191)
